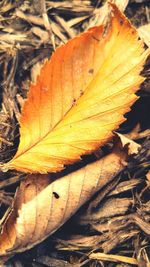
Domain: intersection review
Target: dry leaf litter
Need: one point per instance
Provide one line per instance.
(113, 228)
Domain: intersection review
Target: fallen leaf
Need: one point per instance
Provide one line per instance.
(80, 97)
(133, 147)
(40, 208)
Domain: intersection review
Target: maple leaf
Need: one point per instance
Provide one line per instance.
(80, 97)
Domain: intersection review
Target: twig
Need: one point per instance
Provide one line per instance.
(46, 22)
(114, 258)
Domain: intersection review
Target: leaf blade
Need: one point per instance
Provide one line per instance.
(42, 205)
(75, 104)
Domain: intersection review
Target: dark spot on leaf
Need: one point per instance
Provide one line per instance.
(28, 184)
(74, 102)
(81, 92)
(55, 195)
(121, 22)
(95, 38)
(91, 71)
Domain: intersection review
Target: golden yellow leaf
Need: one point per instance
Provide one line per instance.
(80, 97)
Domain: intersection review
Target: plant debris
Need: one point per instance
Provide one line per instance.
(113, 228)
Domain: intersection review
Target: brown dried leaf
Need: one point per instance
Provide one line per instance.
(41, 208)
(132, 146)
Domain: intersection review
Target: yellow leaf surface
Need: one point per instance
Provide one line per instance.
(80, 96)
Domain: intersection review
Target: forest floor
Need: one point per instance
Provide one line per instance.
(25, 40)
